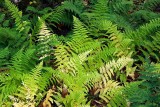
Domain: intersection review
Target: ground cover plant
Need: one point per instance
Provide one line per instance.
(79, 53)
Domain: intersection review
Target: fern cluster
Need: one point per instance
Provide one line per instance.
(100, 61)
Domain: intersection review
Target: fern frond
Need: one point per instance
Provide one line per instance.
(122, 22)
(49, 100)
(144, 31)
(146, 35)
(80, 41)
(117, 39)
(71, 6)
(121, 7)
(145, 15)
(32, 88)
(72, 83)
(3, 56)
(44, 38)
(151, 4)
(22, 62)
(17, 15)
(108, 88)
(46, 41)
(113, 70)
(62, 55)
(114, 98)
(101, 9)
(98, 57)
(28, 91)
(83, 56)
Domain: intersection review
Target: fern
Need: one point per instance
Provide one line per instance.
(142, 42)
(72, 83)
(121, 63)
(110, 35)
(74, 7)
(108, 88)
(146, 91)
(48, 100)
(3, 56)
(79, 43)
(21, 64)
(151, 4)
(62, 55)
(95, 63)
(117, 38)
(27, 92)
(28, 88)
(44, 38)
(17, 15)
(100, 9)
(80, 37)
(10, 41)
(114, 98)
(121, 6)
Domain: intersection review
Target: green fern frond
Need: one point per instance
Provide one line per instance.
(58, 16)
(80, 41)
(144, 31)
(27, 91)
(122, 22)
(145, 15)
(101, 9)
(32, 88)
(3, 56)
(151, 4)
(71, 6)
(121, 7)
(46, 41)
(146, 35)
(108, 88)
(98, 57)
(114, 98)
(63, 55)
(117, 39)
(72, 83)
(17, 15)
(83, 56)
(22, 62)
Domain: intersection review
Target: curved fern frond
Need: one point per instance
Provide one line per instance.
(117, 39)
(144, 39)
(21, 64)
(80, 42)
(108, 88)
(32, 89)
(63, 56)
(46, 41)
(113, 70)
(21, 26)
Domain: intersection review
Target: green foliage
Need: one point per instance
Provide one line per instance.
(17, 15)
(12, 79)
(146, 43)
(145, 93)
(80, 53)
(11, 42)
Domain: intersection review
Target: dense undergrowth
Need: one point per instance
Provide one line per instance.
(80, 53)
